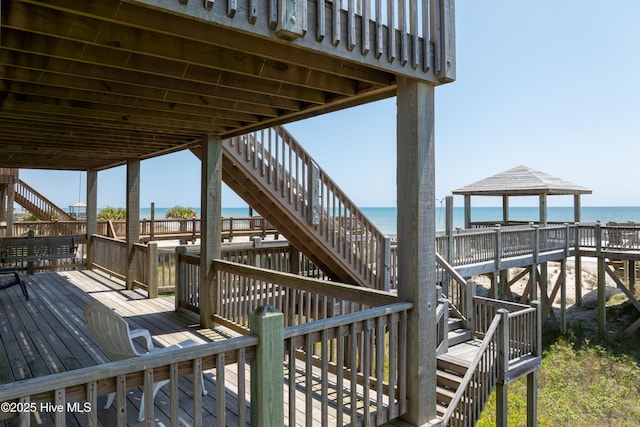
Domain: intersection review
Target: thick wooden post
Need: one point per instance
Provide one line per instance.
(543, 210)
(467, 211)
(133, 218)
(152, 225)
(211, 225)
(499, 285)
(505, 209)
(602, 310)
(449, 228)
(292, 19)
(534, 267)
(385, 259)
(11, 191)
(469, 311)
(532, 378)
(180, 284)
(267, 394)
(503, 365)
(92, 213)
(152, 270)
(576, 208)
(416, 234)
(294, 260)
(578, 267)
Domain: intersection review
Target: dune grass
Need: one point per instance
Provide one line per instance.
(585, 380)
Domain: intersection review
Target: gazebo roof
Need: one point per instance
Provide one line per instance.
(521, 181)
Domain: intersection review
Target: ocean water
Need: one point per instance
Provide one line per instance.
(385, 217)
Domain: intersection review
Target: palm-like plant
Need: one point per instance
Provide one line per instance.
(111, 212)
(179, 212)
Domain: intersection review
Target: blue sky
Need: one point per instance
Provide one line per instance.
(549, 84)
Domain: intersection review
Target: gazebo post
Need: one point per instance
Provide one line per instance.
(543, 210)
(467, 211)
(505, 209)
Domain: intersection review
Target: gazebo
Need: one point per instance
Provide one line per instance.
(521, 181)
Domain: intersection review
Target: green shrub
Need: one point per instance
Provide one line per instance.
(111, 212)
(179, 212)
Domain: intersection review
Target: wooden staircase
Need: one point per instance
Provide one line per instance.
(43, 208)
(482, 343)
(277, 178)
(450, 369)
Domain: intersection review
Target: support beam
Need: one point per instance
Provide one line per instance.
(416, 232)
(505, 209)
(467, 211)
(211, 225)
(133, 218)
(11, 191)
(543, 210)
(576, 208)
(92, 212)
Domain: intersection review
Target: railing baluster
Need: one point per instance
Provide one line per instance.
(391, 32)
(321, 32)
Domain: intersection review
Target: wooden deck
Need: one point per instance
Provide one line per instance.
(46, 335)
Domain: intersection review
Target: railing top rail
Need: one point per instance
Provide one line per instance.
(345, 319)
(40, 385)
(511, 306)
(449, 269)
(371, 297)
(108, 239)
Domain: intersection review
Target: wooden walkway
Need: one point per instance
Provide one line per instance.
(46, 335)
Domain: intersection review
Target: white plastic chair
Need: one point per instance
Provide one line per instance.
(113, 335)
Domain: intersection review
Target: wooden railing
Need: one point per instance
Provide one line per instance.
(414, 38)
(361, 358)
(509, 332)
(522, 324)
(109, 255)
(367, 354)
(86, 384)
(494, 244)
(310, 195)
(188, 229)
(49, 228)
(242, 288)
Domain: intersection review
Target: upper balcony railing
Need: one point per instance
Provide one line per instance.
(410, 37)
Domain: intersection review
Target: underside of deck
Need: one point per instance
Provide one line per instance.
(87, 85)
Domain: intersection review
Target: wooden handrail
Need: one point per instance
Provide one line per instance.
(370, 297)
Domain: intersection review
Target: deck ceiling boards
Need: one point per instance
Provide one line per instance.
(94, 84)
(521, 181)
